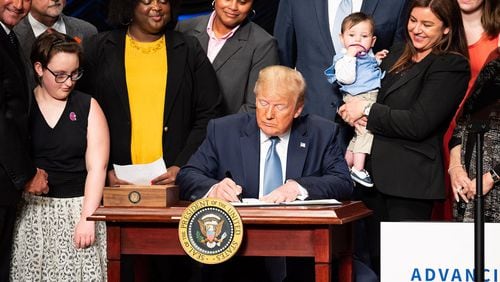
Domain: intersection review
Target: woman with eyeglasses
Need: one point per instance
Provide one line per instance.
(237, 48)
(156, 87)
(53, 241)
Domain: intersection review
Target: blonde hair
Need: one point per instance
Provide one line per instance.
(284, 79)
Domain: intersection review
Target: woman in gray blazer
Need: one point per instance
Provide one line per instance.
(237, 48)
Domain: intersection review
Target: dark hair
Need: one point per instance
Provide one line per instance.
(121, 12)
(50, 43)
(490, 18)
(356, 18)
(449, 13)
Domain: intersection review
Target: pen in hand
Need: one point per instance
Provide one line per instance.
(230, 176)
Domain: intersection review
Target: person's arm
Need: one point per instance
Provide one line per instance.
(327, 175)
(14, 155)
(333, 181)
(345, 69)
(460, 182)
(284, 32)
(265, 54)
(89, 65)
(96, 158)
(199, 174)
(441, 91)
(488, 184)
(207, 99)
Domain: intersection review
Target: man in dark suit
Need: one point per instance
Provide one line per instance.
(233, 159)
(46, 14)
(17, 171)
(238, 144)
(303, 30)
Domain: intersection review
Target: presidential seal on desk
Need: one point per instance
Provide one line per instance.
(210, 230)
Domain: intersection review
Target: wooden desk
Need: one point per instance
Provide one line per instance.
(313, 231)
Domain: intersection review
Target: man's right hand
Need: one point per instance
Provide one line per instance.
(115, 181)
(226, 190)
(38, 184)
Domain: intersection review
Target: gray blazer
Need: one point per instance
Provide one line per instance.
(239, 61)
(74, 28)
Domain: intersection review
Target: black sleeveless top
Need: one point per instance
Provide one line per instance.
(61, 150)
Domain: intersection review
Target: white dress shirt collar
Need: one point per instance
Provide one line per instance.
(5, 28)
(215, 44)
(39, 28)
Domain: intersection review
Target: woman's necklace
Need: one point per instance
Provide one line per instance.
(146, 47)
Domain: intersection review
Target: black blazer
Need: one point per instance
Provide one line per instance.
(408, 121)
(192, 95)
(16, 166)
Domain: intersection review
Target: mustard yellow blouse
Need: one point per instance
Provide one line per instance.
(146, 76)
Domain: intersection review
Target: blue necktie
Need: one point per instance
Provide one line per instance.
(343, 11)
(272, 168)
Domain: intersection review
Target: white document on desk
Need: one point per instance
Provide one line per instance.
(140, 174)
(252, 202)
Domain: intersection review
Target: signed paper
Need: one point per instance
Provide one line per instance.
(140, 174)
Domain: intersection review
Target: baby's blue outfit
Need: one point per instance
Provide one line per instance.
(368, 74)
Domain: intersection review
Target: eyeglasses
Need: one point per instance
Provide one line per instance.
(149, 2)
(62, 77)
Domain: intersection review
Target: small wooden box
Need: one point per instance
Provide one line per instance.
(157, 196)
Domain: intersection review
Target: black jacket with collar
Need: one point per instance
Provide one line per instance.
(192, 94)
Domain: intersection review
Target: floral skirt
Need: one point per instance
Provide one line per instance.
(43, 248)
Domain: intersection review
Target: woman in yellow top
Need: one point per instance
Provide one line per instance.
(156, 86)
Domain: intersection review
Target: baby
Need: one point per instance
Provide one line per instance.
(358, 73)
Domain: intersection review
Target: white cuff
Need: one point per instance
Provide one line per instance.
(303, 194)
(209, 190)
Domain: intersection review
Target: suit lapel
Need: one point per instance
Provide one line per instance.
(232, 46)
(410, 74)
(368, 7)
(115, 51)
(176, 60)
(201, 32)
(298, 146)
(25, 32)
(15, 57)
(70, 29)
(250, 155)
(321, 7)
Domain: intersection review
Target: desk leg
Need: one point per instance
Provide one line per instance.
(323, 272)
(322, 255)
(343, 249)
(114, 250)
(345, 268)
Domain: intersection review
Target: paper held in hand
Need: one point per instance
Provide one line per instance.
(140, 174)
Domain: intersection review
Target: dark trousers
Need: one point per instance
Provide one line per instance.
(7, 220)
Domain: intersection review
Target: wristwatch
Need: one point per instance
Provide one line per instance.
(367, 108)
(495, 176)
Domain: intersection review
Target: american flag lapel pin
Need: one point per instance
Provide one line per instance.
(302, 145)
